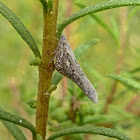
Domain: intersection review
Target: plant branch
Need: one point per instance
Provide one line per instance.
(46, 68)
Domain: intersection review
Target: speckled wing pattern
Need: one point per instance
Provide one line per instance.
(67, 65)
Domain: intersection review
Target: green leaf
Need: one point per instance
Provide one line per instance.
(99, 21)
(91, 130)
(14, 130)
(127, 81)
(94, 9)
(20, 28)
(17, 120)
(79, 51)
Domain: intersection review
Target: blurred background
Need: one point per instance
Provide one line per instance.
(116, 52)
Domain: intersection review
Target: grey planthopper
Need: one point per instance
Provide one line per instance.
(67, 65)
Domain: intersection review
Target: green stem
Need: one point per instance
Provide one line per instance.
(46, 68)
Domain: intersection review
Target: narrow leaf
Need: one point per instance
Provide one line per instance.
(94, 9)
(99, 21)
(14, 130)
(79, 51)
(17, 120)
(20, 28)
(127, 81)
(91, 130)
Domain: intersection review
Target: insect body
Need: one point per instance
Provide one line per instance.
(67, 65)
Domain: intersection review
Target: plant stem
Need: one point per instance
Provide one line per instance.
(46, 68)
(123, 37)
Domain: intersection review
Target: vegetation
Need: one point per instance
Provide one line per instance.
(109, 55)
